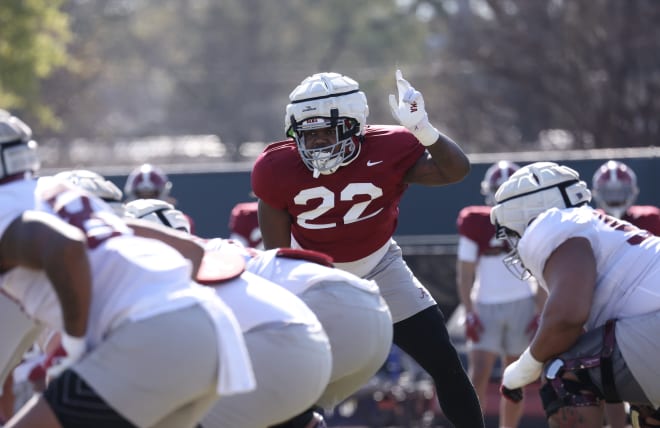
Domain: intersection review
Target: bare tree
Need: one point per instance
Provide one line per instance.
(515, 68)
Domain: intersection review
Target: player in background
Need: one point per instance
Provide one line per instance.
(615, 191)
(500, 310)
(334, 187)
(150, 182)
(244, 225)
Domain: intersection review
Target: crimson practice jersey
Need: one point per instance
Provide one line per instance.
(244, 224)
(474, 223)
(645, 217)
(351, 213)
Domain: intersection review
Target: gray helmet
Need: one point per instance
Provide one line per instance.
(18, 151)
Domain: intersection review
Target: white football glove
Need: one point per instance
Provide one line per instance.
(74, 348)
(521, 372)
(410, 111)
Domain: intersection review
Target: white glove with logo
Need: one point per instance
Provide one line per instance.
(410, 111)
(521, 372)
(71, 349)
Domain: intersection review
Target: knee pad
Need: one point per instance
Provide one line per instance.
(560, 393)
(77, 405)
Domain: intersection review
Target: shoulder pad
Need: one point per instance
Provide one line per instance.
(220, 266)
(308, 255)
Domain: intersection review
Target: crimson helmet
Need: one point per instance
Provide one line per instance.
(147, 182)
(496, 174)
(614, 188)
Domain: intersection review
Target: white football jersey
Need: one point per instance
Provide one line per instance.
(298, 275)
(257, 301)
(134, 277)
(627, 259)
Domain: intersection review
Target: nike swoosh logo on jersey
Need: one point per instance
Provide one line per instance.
(372, 163)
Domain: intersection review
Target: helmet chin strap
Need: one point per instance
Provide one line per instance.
(316, 173)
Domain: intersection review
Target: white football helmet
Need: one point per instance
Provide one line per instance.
(496, 174)
(158, 211)
(18, 151)
(536, 188)
(97, 185)
(614, 188)
(326, 100)
(147, 182)
(530, 191)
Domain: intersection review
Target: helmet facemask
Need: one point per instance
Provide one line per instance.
(512, 260)
(327, 159)
(327, 100)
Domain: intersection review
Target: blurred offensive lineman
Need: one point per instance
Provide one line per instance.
(125, 306)
(289, 350)
(601, 274)
(353, 314)
(335, 186)
(29, 376)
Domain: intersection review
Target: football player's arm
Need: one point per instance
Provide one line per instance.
(38, 240)
(442, 163)
(540, 297)
(465, 272)
(275, 225)
(570, 274)
(188, 245)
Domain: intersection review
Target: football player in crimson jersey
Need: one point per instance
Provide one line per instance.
(150, 182)
(596, 340)
(335, 187)
(500, 310)
(244, 224)
(615, 191)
